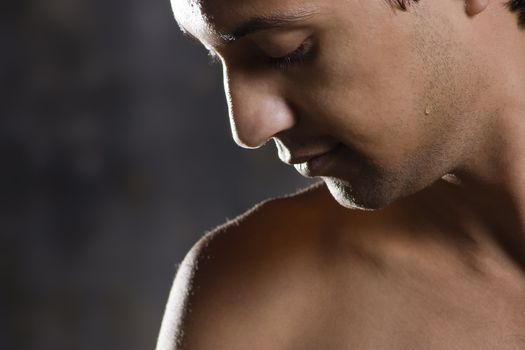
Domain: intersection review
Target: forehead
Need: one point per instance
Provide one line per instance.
(212, 20)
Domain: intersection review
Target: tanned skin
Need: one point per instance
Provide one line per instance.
(415, 237)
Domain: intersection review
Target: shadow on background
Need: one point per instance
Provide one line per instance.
(117, 157)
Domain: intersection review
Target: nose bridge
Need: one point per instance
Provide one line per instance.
(257, 109)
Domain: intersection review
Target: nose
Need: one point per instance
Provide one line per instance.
(257, 110)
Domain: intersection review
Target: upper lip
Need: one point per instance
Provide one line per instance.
(298, 158)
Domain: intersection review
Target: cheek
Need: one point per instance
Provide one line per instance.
(375, 112)
(371, 95)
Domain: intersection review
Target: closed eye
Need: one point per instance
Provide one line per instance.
(295, 58)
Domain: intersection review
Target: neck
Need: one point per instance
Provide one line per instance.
(482, 200)
(484, 197)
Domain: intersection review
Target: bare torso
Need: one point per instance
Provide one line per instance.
(305, 273)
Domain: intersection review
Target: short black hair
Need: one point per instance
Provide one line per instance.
(516, 6)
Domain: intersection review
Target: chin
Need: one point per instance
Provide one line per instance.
(367, 196)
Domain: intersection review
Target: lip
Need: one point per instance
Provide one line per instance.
(319, 164)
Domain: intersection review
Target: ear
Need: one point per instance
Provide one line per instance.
(475, 7)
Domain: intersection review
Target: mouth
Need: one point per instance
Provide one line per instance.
(316, 165)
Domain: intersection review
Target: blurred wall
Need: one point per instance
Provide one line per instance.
(117, 157)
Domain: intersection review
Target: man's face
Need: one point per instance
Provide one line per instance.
(380, 92)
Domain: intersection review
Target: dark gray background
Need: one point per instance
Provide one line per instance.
(117, 157)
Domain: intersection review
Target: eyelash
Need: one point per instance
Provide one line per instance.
(280, 63)
(294, 58)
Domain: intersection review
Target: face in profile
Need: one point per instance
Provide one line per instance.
(370, 98)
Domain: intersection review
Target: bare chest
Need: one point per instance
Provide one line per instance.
(404, 310)
(422, 319)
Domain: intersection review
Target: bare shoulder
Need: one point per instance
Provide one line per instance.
(301, 272)
(230, 285)
(225, 277)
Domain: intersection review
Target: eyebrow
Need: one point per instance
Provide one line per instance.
(260, 23)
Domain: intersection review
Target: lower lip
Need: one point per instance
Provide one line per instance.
(318, 166)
